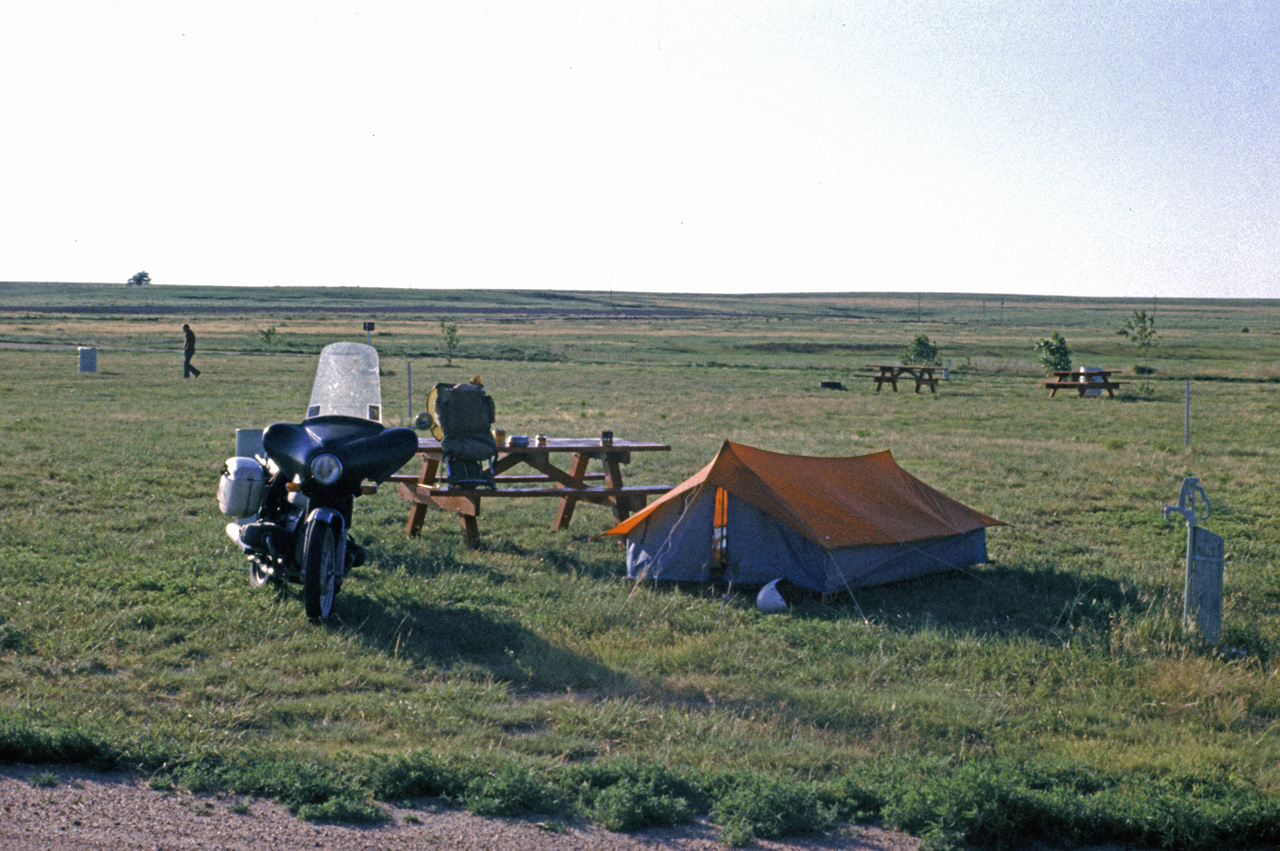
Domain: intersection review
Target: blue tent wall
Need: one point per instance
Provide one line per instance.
(858, 566)
(675, 544)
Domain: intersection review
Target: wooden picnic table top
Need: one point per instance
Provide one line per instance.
(886, 367)
(582, 445)
(1075, 373)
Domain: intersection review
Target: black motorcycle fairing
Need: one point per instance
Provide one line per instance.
(366, 449)
(378, 456)
(292, 445)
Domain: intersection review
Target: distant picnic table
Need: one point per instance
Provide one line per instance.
(570, 484)
(1083, 381)
(890, 373)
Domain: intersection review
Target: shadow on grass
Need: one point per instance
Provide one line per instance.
(464, 639)
(427, 559)
(1029, 601)
(564, 559)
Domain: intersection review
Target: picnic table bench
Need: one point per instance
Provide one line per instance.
(1084, 381)
(890, 373)
(570, 484)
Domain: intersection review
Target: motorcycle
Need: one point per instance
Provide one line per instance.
(291, 502)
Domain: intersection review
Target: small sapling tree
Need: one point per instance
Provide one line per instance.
(920, 352)
(1054, 353)
(1140, 329)
(448, 339)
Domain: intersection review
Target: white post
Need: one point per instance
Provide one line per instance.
(1186, 414)
(408, 371)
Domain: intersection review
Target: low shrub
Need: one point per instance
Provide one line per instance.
(309, 789)
(920, 351)
(850, 800)
(415, 775)
(632, 805)
(988, 805)
(1054, 353)
(23, 741)
(510, 791)
(343, 810)
(44, 779)
(756, 807)
(627, 795)
(1004, 806)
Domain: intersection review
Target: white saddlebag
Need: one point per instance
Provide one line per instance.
(241, 486)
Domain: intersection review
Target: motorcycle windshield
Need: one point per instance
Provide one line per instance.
(347, 383)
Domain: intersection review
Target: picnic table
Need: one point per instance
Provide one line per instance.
(1083, 381)
(569, 483)
(890, 373)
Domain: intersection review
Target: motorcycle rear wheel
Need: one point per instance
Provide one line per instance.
(319, 571)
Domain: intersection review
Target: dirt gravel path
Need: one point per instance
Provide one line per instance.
(83, 810)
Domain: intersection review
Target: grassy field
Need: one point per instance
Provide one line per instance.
(1051, 693)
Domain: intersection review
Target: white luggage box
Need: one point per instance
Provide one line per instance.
(241, 486)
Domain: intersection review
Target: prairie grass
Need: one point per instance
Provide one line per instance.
(1050, 694)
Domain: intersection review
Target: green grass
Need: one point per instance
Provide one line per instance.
(1051, 693)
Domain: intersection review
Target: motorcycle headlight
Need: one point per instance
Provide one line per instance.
(326, 469)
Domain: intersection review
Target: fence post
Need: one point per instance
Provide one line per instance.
(1186, 414)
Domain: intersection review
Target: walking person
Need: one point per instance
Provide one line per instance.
(188, 349)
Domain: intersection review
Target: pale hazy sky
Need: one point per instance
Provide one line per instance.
(1079, 147)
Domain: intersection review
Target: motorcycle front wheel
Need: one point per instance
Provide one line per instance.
(319, 570)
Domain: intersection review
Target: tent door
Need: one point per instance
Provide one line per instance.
(720, 535)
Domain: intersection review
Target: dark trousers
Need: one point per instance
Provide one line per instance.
(187, 369)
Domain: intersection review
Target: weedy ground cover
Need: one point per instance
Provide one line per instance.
(1051, 693)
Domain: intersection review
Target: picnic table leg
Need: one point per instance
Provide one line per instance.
(613, 479)
(470, 531)
(418, 510)
(576, 472)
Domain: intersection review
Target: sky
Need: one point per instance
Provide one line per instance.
(1082, 147)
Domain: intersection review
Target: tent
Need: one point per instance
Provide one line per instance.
(752, 516)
